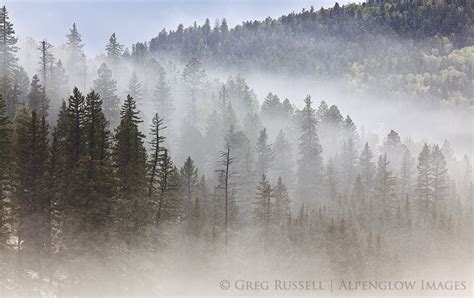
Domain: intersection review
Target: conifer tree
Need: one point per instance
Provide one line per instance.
(76, 61)
(194, 77)
(189, 181)
(440, 177)
(106, 87)
(385, 187)
(8, 59)
(264, 153)
(46, 62)
(406, 174)
(32, 156)
(129, 158)
(5, 173)
(424, 179)
(283, 159)
(156, 142)
(75, 128)
(162, 96)
(264, 207)
(168, 203)
(135, 90)
(37, 98)
(282, 203)
(114, 49)
(348, 165)
(310, 162)
(367, 169)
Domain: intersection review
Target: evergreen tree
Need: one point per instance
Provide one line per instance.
(282, 203)
(272, 107)
(32, 156)
(440, 177)
(406, 174)
(75, 128)
(283, 159)
(76, 61)
(264, 207)
(424, 179)
(46, 62)
(168, 203)
(114, 49)
(5, 173)
(264, 153)
(8, 59)
(189, 181)
(156, 142)
(350, 130)
(310, 162)
(135, 89)
(385, 187)
(37, 99)
(348, 165)
(129, 158)
(194, 77)
(106, 87)
(367, 169)
(162, 96)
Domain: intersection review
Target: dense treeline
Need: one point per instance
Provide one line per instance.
(99, 182)
(421, 48)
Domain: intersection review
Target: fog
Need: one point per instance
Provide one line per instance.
(162, 168)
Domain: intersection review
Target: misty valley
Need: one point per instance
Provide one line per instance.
(321, 152)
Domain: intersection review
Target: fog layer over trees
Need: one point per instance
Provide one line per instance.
(151, 167)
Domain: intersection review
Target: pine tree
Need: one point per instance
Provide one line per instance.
(75, 132)
(310, 162)
(271, 107)
(350, 130)
(76, 62)
(114, 49)
(264, 153)
(46, 62)
(264, 207)
(440, 177)
(135, 90)
(283, 159)
(385, 187)
(367, 169)
(322, 111)
(282, 203)
(37, 99)
(406, 174)
(348, 165)
(424, 179)
(156, 142)
(59, 88)
(168, 203)
(106, 87)
(162, 96)
(5, 173)
(8, 59)
(194, 77)
(32, 156)
(189, 181)
(129, 158)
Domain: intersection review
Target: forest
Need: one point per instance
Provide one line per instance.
(135, 171)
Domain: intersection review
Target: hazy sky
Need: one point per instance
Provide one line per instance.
(136, 20)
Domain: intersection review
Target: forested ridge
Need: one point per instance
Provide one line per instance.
(421, 48)
(119, 172)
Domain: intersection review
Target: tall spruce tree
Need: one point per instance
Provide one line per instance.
(282, 208)
(310, 162)
(129, 158)
(37, 99)
(366, 169)
(106, 87)
(168, 202)
(46, 63)
(114, 49)
(424, 179)
(5, 173)
(156, 150)
(264, 206)
(439, 174)
(194, 77)
(32, 208)
(8, 59)
(189, 180)
(264, 153)
(385, 187)
(162, 96)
